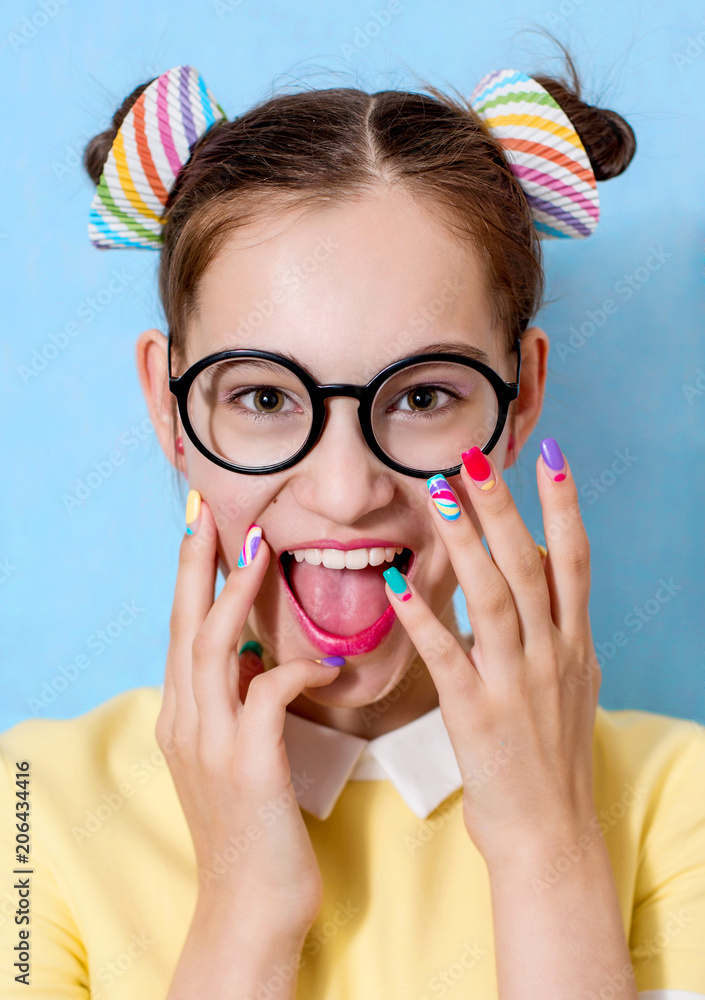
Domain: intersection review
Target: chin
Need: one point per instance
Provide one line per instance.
(364, 682)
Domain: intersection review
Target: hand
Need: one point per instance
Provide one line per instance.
(520, 706)
(221, 728)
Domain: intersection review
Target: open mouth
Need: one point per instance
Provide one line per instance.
(402, 561)
(342, 610)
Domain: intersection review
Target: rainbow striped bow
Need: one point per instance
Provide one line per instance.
(159, 131)
(544, 151)
(150, 148)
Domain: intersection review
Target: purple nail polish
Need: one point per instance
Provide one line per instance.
(553, 459)
(250, 545)
(332, 661)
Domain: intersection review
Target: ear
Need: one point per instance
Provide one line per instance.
(153, 371)
(532, 384)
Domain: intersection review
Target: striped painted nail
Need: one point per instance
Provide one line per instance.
(479, 469)
(250, 545)
(443, 498)
(193, 512)
(553, 461)
(397, 583)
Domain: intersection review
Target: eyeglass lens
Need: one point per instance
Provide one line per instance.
(253, 412)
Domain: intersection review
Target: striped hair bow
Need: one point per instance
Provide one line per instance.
(544, 151)
(159, 131)
(152, 144)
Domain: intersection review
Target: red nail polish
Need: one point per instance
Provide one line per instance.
(180, 445)
(479, 469)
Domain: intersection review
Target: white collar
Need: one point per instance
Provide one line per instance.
(417, 758)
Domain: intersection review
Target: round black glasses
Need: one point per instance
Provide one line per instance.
(257, 412)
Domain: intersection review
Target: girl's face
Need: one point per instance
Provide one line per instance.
(345, 290)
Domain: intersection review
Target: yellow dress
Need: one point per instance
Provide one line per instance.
(406, 911)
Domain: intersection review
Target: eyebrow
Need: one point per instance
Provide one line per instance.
(452, 347)
(438, 347)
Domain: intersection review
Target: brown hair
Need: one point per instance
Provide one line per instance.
(315, 146)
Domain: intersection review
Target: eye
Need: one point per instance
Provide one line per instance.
(267, 399)
(421, 398)
(258, 399)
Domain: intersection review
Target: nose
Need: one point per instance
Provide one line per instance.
(341, 478)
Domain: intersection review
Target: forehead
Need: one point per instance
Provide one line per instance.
(344, 288)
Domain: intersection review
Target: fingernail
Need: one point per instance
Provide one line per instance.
(332, 661)
(479, 469)
(397, 583)
(193, 512)
(250, 545)
(251, 645)
(443, 498)
(543, 551)
(553, 461)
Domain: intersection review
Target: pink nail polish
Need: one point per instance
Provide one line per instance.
(479, 469)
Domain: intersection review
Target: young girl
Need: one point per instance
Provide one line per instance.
(337, 795)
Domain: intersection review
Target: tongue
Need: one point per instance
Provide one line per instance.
(342, 601)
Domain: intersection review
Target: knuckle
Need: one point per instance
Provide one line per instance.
(578, 559)
(528, 563)
(467, 544)
(502, 503)
(494, 599)
(202, 649)
(209, 754)
(175, 626)
(169, 739)
(161, 732)
(259, 688)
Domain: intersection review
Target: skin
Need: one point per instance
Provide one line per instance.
(404, 259)
(530, 682)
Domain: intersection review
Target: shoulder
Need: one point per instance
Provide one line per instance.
(118, 727)
(649, 780)
(658, 746)
(649, 775)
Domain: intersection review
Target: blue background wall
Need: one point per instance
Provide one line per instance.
(66, 572)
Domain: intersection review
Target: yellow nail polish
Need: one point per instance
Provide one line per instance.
(193, 512)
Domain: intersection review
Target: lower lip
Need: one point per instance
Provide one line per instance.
(340, 645)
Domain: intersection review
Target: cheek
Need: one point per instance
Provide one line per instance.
(235, 501)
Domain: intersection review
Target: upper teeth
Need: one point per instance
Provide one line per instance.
(350, 559)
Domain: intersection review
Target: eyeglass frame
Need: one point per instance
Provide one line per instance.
(180, 386)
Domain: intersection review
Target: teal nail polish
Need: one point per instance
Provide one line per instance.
(397, 583)
(252, 645)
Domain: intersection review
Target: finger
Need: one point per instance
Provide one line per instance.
(261, 723)
(250, 665)
(567, 540)
(513, 550)
(193, 596)
(216, 667)
(490, 606)
(457, 680)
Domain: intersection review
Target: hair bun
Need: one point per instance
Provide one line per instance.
(96, 151)
(609, 139)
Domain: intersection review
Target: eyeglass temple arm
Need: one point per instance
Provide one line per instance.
(517, 347)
